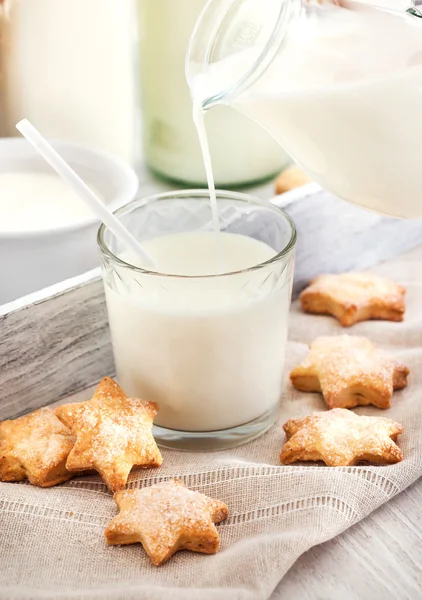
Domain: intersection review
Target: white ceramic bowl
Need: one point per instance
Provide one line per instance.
(32, 260)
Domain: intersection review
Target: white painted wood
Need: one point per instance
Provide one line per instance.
(54, 346)
(335, 236)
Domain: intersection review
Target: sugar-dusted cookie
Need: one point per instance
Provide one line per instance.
(113, 434)
(349, 371)
(35, 447)
(165, 518)
(340, 438)
(353, 297)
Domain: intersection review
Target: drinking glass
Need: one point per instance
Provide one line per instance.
(208, 348)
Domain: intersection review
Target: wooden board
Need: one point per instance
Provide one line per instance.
(335, 236)
(52, 344)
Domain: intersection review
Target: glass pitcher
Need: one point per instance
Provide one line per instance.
(338, 84)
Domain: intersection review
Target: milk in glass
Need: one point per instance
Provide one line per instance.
(210, 351)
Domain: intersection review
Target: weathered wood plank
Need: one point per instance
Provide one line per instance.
(53, 346)
(335, 236)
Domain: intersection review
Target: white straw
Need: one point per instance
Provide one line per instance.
(95, 204)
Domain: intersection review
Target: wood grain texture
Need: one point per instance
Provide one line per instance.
(53, 347)
(335, 236)
(380, 558)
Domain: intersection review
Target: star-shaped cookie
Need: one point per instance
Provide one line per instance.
(35, 447)
(349, 371)
(340, 438)
(353, 297)
(113, 434)
(165, 518)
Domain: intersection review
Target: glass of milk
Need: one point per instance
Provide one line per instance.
(204, 338)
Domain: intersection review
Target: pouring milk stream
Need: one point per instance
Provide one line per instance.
(339, 87)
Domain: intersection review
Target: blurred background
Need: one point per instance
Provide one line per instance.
(105, 81)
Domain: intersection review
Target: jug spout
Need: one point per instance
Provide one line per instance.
(245, 34)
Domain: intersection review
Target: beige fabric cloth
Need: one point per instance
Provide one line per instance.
(52, 541)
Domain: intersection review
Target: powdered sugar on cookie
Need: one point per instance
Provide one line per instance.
(166, 518)
(341, 438)
(35, 446)
(353, 297)
(349, 371)
(113, 434)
